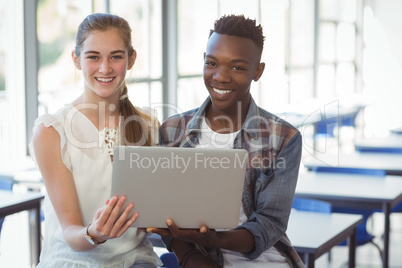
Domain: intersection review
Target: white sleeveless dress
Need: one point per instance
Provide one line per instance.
(85, 152)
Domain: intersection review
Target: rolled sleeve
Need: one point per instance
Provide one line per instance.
(273, 198)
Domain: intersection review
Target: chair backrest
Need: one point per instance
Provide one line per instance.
(362, 235)
(389, 150)
(347, 170)
(326, 127)
(305, 204)
(349, 120)
(169, 260)
(8, 186)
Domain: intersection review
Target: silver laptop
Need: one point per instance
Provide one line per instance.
(191, 186)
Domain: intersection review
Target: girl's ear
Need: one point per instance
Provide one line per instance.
(259, 71)
(76, 60)
(131, 60)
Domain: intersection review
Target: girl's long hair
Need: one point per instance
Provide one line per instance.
(135, 127)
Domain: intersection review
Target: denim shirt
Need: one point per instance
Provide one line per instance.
(274, 148)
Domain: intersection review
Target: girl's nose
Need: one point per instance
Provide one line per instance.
(105, 67)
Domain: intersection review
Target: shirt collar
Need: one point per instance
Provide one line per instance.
(254, 121)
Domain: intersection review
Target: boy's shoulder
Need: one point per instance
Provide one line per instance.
(275, 120)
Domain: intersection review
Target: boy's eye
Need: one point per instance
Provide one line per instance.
(238, 68)
(92, 57)
(210, 63)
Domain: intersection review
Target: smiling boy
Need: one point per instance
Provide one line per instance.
(230, 118)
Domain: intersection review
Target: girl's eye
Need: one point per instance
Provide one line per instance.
(93, 57)
(117, 57)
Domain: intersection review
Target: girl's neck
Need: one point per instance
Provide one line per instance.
(109, 105)
(101, 112)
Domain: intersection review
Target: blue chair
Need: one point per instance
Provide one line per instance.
(8, 186)
(169, 260)
(363, 236)
(347, 170)
(305, 204)
(325, 128)
(388, 150)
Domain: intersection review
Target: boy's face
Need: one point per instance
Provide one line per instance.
(230, 64)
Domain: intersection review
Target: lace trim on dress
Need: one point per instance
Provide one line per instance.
(108, 138)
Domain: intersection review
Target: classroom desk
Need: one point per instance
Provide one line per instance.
(313, 234)
(390, 163)
(313, 111)
(350, 190)
(28, 176)
(390, 144)
(11, 203)
(303, 119)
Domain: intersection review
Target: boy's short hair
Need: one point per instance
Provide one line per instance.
(238, 25)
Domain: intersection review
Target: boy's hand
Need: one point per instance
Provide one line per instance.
(203, 236)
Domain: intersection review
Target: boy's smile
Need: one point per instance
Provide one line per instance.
(231, 63)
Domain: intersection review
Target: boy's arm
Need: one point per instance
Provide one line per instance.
(240, 240)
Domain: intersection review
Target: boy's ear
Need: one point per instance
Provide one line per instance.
(76, 60)
(259, 71)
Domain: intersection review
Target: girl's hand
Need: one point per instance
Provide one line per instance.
(107, 224)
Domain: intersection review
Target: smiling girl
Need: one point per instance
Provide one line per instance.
(73, 149)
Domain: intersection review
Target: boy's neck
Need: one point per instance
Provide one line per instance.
(226, 121)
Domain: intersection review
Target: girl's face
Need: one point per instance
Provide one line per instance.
(104, 62)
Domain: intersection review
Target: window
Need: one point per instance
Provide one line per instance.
(12, 109)
(322, 46)
(193, 32)
(337, 36)
(58, 80)
(3, 103)
(145, 79)
(2, 50)
(300, 50)
(312, 49)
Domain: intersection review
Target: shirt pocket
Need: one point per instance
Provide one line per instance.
(262, 177)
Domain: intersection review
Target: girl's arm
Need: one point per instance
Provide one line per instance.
(60, 187)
